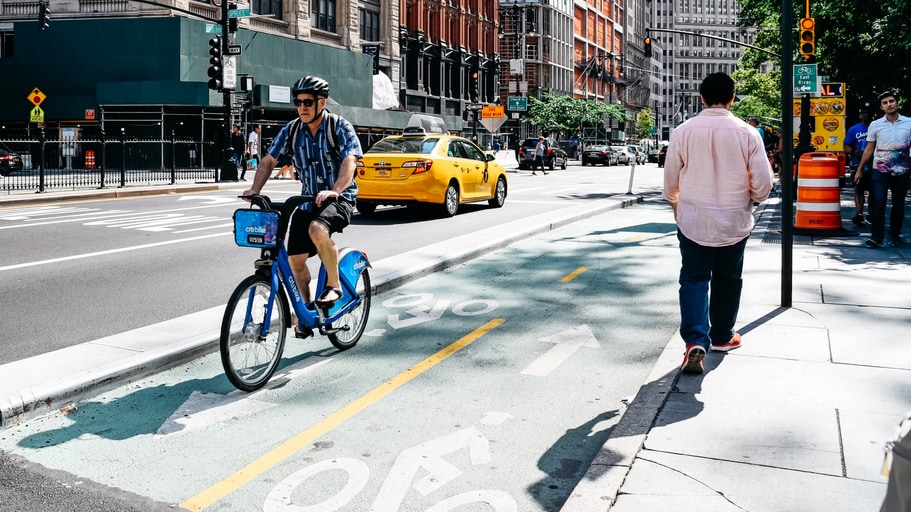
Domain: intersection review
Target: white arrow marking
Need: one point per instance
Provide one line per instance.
(567, 343)
(419, 315)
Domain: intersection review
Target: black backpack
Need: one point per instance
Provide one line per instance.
(331, 136)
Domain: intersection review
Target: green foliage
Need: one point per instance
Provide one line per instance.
(644, 123)
(759, 93)
(565, 115)
(864, 44)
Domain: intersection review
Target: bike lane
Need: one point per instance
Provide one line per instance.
(495, 381)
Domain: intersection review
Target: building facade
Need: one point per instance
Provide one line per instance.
(687, 58)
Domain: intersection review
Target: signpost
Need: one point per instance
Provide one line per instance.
(492, 111)
(36, 97)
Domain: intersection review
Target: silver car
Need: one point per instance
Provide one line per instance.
(623, 155)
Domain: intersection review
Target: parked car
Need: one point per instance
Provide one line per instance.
(428, 167)
(553, 156)
(9, 161)
(600, 154)
(653, 156)
(623, 155)
(662, 154)
(638, 152)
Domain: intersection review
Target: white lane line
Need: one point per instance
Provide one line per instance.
(111, 251)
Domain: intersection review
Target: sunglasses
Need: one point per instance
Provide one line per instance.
(307, 103)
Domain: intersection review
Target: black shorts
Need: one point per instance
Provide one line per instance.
(866, 179)
(335, 215)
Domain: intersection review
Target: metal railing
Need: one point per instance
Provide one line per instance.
(108, 162)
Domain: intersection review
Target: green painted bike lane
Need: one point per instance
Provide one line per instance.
(488, 386)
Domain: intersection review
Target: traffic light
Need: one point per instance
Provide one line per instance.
(475, 94)
(44, 15)
(648, 46)
(807, 38)
(215, 64)
(232, 22)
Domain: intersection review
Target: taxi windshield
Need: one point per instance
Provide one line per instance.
(419, 145)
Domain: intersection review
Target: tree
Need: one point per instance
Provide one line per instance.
(864, 44)
(566, 115)
(644, 123)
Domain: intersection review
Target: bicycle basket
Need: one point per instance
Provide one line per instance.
(256, 228)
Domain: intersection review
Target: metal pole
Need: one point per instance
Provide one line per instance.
(173, 159)
(42, 138)
(123, 157)
(103, 152)
(787, 136)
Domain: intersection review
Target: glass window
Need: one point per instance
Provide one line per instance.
(322, 14)
(370, 25)
(273, 7)
(419, 145)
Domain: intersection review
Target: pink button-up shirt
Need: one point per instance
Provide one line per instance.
(716, 167)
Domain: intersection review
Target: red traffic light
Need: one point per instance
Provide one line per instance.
(807, 23)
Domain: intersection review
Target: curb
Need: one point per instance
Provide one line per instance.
(598, 489)
(390, 273)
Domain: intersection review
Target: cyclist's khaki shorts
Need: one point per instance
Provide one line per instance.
(335, 215)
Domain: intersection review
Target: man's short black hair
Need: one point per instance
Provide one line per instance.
(717, 89)
(885, 94)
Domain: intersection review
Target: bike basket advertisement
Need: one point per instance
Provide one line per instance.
(256, 228)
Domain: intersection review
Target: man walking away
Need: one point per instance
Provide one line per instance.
(715, 169)
(888, 141)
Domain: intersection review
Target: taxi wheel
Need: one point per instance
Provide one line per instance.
(499, 194)
(451, 200)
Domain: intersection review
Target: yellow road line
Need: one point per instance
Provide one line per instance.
(572, 275)
(284, 450)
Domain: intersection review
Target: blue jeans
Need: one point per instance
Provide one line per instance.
(881, 185)
(709, 318)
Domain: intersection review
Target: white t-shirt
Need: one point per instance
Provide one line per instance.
(253, 143)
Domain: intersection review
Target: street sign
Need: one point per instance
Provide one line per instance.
(234, 49)
(36, 97)
(213, 29)
(493, 124)
(37, 115)
(229, 76)
(492, 112)
(517, 103)
(805, 79)
(238, 13)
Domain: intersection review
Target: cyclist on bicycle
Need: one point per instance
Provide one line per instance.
(326, 172)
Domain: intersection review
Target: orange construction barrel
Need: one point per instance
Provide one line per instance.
(89, 159)
(818, 192)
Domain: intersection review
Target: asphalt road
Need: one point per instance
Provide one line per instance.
(488, 386)
(79, 271)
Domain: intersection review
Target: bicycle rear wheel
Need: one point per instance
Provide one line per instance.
(248, 355)
(351, 325)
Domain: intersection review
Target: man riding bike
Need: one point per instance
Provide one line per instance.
(325, 150)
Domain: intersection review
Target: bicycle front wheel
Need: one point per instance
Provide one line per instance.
(250, 355)
(351, 325)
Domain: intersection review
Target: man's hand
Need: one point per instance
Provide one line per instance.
(324, 195)
(249, 192)
(858, 174)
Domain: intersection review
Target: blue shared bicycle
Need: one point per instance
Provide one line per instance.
(258, 316)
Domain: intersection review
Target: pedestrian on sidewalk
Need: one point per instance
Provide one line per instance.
(715, 169)
(888, 142)
(237, 147)
(855, 143)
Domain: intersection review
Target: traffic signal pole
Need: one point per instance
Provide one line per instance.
(228, 166)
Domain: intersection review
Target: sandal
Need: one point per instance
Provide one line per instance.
(329, 296)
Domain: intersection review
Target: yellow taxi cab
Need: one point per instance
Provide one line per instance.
(427, 165)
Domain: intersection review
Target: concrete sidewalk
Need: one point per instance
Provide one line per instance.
(795, 419)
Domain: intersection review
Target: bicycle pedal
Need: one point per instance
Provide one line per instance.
(303, 334)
